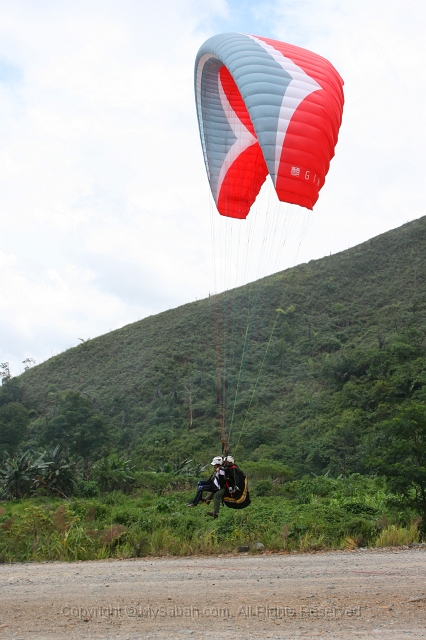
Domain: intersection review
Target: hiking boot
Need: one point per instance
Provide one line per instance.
(212, 514)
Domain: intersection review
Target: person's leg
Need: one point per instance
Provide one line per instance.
(203, 485)
(216, 502)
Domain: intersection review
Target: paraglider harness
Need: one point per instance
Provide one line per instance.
(236, 488)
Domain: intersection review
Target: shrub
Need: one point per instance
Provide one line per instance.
(118, 525)
(267, 469)
(87, 489)
(396, 536)
(264, 488)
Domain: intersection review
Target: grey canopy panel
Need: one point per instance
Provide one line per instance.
(261, 80)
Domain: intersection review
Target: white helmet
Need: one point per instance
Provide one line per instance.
(229, 459)
(216, 460)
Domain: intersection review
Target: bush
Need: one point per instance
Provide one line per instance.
(267, 469)
(122, 526)
(264, 488)
(87, 489)
(397, 536)
(112, 473)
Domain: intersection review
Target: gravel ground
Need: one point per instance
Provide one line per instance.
(357, 594)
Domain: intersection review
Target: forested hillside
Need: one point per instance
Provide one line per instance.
(346, 358)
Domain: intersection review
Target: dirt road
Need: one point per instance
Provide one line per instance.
(361, 594)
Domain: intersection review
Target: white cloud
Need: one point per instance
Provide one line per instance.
(104, 205)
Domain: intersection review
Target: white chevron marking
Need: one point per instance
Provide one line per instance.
(298, 89)
(244, 140)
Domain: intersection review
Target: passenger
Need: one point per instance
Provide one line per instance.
(213, 485)
(219, 481)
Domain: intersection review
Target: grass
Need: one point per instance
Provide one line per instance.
(396, 536)
(304, 515)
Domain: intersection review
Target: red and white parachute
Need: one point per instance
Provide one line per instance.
(265, 107)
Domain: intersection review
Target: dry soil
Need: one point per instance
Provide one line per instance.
(358, 594)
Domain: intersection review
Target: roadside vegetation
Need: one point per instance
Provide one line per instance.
(310, 514)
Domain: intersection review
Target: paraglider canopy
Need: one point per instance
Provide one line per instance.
(265, 107)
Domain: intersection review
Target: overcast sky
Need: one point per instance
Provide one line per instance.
(104, 203)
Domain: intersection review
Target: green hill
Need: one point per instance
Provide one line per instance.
(348, 350)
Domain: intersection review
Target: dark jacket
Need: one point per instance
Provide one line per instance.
(236, 493)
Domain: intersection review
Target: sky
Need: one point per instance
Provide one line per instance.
(105, 212)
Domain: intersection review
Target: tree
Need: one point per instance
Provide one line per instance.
(78, 428)
(400, 454)
(5, 374)
(18, 474)
(24, 474)
(58, 474)
(13, 426)
(28, 362)
(114, 474)
(10, 391)
(190, 390)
